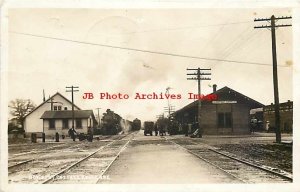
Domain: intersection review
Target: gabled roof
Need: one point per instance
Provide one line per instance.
(49, 100)
(227, 94)
(67, 114)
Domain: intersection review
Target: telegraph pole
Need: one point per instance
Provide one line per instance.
(198, 75)
(273, 26)
(160, 116)
(52, 102)
(170, 109)
(73, 89)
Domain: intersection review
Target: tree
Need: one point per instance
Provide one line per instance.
(20, 108)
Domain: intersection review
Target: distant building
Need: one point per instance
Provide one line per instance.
(286, 117)
(61, 121)
(229, 114)
(57, 102)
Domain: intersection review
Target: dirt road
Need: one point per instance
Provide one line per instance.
(156, 160)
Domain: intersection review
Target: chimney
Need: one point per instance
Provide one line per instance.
(44, 98)
(214, 88)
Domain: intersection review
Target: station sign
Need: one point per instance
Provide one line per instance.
(224, 102)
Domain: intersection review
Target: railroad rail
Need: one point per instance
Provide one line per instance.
(20, 163)
(36, 151)
(68, 169)
(114, 159)
(244, 171)
(283, 175)
(31, 144)
(23, 162)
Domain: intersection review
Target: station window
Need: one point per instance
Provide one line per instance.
(55, 108)
(51, 124)
(59, 108)
(225, 120)
(66, 108)
(65, 123)
(78, 123)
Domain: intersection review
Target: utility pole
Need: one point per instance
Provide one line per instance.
(52, 102)
(198, 75)
(160, 116)
(73, 89)
(169, 106)
(273, 26)
(99, 120)
(170, 109)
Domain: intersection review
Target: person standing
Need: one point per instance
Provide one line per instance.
(186, 129)
(90, 134)
(72, 133)
(156, 129)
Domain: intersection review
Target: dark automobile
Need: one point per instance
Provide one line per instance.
(148, 127)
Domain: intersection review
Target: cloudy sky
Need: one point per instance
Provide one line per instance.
(48, 50)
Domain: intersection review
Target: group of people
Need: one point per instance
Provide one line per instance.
(160, 130)
(186, 129)
(73, 134)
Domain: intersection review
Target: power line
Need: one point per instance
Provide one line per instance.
(230, 46)
(188, 27)
(181, 28)
(238, 44)
(245, 46)
(215, 36)
(145, 51)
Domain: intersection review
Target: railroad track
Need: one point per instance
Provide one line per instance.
(36, 170)
(92, 168)
(23, 162)
(38, 151)
(56, 145)
(241, 170)
(19, 162)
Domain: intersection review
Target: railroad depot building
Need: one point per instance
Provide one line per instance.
(286, 117)
(61, 121)
(229, 114)
(56, 103)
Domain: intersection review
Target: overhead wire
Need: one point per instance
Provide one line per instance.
(233, 43)
(142, 50)
(245, 39)
(183, 28)
(215, 36)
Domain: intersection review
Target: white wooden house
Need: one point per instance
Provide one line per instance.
(33, 122)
